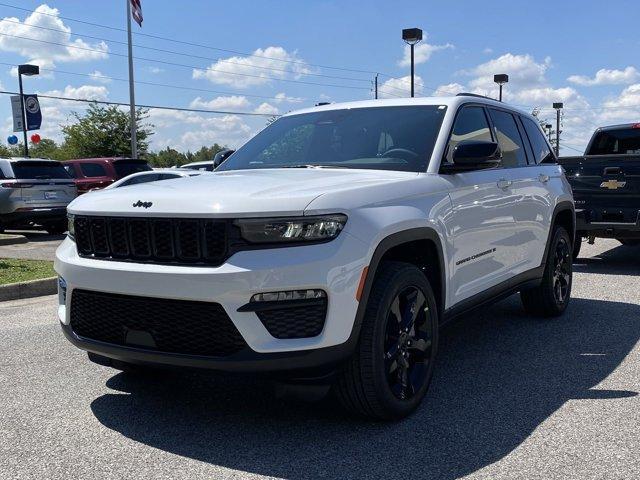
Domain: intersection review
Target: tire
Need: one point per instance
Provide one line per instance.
(391, 368)
(629, 242)
(552, 296)
(577, 246)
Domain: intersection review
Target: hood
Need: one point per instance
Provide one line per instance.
(231, 194)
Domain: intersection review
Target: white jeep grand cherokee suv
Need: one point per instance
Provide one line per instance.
(329, 248)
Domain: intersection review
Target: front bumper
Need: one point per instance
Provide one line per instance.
(334, 267)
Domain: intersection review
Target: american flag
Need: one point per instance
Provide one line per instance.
(136, 11)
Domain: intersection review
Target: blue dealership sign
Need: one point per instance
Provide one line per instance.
(33, 112)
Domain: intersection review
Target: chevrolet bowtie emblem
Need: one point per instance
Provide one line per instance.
(612, 184)
(142, 204)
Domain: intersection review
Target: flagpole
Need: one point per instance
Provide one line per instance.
(132, 100)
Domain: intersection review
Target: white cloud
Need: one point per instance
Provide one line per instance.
(607, 77)
(98, 76)
(234, 102)
(422, 52)
(449, 89)
(267, 109)
(266, 64)
(85, 92)
(155, 70)
(61, 47)
(282, 97)
(523, 71)
(487, 51)
(400, 87)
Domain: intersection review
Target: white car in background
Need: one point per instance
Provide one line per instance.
(153, 176)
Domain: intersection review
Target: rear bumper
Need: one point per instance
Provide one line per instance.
(314, 362)
(34, 215)
(597, 222)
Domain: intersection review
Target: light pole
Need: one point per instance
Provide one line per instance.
(411, 36)
(501, 79)
(558, 106)
(28, 70)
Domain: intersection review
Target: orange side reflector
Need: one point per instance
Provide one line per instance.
(363, 278)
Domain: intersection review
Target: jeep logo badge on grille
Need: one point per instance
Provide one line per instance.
(142, 204)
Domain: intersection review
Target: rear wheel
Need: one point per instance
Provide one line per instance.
(390, 371)
(551, 297)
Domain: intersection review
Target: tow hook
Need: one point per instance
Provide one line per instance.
(591, 239)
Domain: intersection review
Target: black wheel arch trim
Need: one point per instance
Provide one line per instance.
(560, 207)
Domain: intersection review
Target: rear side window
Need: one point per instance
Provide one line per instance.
(93, 170)
(470, 124)
(39, 170)
(616, 142)
(541, 151)
(509, 139)
(70, 170)
(125, 168)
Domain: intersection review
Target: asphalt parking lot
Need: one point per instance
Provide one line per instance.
(40, 246)
(512, 397)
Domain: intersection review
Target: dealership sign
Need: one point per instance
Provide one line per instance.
(32, 111)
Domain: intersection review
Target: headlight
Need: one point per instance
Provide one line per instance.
(297, 229)
(71, 230)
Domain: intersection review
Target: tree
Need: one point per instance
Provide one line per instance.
(168, 157)
(104, 132)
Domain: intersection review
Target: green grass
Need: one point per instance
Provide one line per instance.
(14, 270)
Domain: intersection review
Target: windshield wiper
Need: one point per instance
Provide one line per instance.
(315, 165)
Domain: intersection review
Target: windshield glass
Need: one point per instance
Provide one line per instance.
(39, 170)
(127, 167)
(378, 138)
(613, 142)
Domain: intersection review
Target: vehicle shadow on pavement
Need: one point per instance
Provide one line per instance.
(620, 260)
(500, 374)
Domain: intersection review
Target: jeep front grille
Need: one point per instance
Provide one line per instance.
(153, 240)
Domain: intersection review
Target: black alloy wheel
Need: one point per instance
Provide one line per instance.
(562, 270)
(407, 343)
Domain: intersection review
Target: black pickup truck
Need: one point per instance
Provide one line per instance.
(606, 186)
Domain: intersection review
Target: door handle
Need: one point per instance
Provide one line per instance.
(503, 183)
(543, 178)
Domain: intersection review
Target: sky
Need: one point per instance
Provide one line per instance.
(272, 57)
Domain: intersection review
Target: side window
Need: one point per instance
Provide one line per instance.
(509, 139)
(470, 124)
(541, 151)
(92, 170)
(70, 170)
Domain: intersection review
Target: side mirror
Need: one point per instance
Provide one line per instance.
(474, 155)
(220, 157)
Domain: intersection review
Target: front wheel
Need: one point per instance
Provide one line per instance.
(577, 245)
(551, 297)
(390, 371)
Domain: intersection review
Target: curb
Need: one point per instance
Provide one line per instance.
(12, 239)
(32, 288)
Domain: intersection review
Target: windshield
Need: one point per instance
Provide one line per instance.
(125, 168)
(378, 138)
(39, 170)
(615, 142)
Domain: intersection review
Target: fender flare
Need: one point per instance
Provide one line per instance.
(562, 206)
(386, 244)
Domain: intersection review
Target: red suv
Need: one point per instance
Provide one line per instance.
(95, 173)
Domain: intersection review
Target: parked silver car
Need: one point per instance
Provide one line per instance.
(34, 192)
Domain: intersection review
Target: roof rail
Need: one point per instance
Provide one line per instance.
(465, 94)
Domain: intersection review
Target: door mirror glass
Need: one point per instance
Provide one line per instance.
(474, 155)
